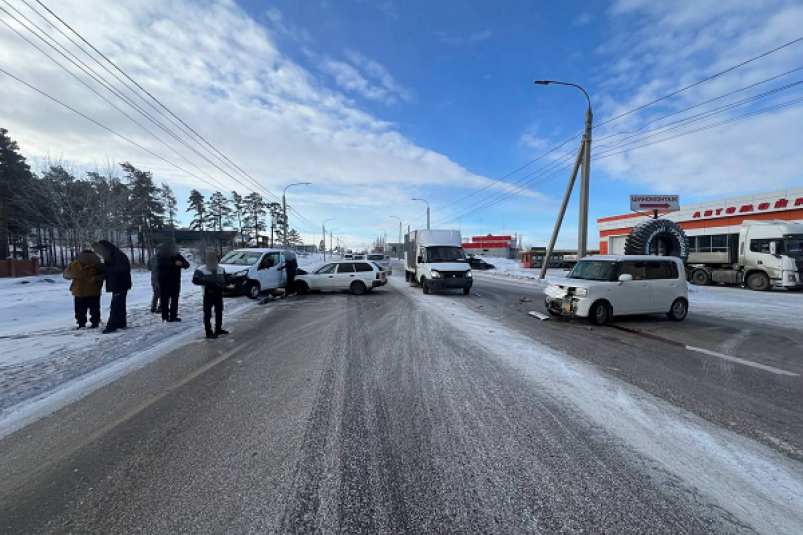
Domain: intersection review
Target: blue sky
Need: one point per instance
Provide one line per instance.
(378, 101)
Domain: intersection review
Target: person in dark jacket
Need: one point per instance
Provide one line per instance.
(212, 277)
(86, 274)
(117, 272)
(291, 264)
(153, 267)
(171, 262)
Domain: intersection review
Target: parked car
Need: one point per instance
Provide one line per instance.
(348, 256)
(479, 263)
(358, 277)
(383, 261)
(359, 257)
(253, 271)
(601, 287)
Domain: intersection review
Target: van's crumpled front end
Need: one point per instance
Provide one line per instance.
(567, 300)
(237, 281)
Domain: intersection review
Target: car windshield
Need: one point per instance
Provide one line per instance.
(593, 270)
(441, 254)
(241, 258)
(376, 257)
(794, 247)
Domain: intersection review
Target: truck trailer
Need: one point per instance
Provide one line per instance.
(435, 259)
(762, 255)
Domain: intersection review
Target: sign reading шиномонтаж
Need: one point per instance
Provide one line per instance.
(643, 203)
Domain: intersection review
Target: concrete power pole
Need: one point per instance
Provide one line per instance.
(424, 200)
(284, 209)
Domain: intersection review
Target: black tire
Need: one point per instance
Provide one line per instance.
(424, 286)
(700, 277)
(599, 314)
(358, 288)
(302, 288)
(679, 310)
(643, 235)
(253, 290)
(466, 291)
(758, 281)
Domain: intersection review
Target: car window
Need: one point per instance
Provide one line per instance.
(269, 260)
(760, 246)
(379, 266)
(595, 270)
(637, 269)
(347, 267)
(659, 270)
(376, 257)
(327, 269)
(241, 258)
(362, 267)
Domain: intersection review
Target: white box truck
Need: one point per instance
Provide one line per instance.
(435, 259)
(763, 255)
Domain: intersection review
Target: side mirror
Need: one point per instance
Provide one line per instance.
(625, 277)
(774, 248)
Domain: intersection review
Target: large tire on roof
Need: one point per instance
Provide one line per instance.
(658, 235)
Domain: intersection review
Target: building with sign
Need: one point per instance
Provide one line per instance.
(496, 246)
(708, 223)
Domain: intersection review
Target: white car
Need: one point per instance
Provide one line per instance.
(601, 287)
(358, 277)
(348, 256)
(252, 271)
(383, 262)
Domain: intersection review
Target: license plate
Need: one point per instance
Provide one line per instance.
(567, 307)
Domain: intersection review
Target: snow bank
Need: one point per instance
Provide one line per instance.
(758, 486)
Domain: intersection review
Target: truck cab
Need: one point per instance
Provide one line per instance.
(771, 254)
(435, 259)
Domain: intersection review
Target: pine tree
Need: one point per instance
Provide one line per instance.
(238, 204)
(197, 205)
(15, 173)
(170, 204)
(219, 211)
(255, 212)
(294, 238)
(277, 218)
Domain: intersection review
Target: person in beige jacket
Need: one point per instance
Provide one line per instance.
(86, 274)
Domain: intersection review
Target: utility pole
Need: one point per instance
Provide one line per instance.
(284, 209)
(324, 236)
(584, 160)
(427, 210)
(331, 241)
(399, 246)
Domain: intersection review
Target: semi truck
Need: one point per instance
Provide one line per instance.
(761, 256)
(435, 260)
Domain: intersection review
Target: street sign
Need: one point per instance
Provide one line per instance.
(645, 203)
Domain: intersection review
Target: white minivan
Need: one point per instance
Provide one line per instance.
(252, 271)
(601, 287)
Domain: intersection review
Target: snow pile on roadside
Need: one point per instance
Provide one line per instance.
(778, 307)
(513, 269)
(758, 486)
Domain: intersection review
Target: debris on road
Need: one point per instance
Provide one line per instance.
(525, 300)
(540, 315)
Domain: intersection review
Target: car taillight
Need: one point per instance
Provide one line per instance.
(378, 275)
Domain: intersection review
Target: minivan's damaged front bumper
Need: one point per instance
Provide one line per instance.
(563, 301)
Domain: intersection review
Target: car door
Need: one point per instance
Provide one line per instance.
(345, 276)
(365, 272)
(631, 297)
(269, 275)
(663, 286)
(324, 278)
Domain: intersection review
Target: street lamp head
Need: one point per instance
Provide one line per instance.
(542, 82)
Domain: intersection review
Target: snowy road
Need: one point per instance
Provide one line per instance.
(396, 412)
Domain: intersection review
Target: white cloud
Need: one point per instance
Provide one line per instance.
(224, 74)
(660, 47)
(582, 19)
(476, 37)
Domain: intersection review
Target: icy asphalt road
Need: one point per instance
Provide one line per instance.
(399, 413)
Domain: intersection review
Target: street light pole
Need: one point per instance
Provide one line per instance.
(424, 200)
(398, 247)
(583, 160)
(284, 209)
(324, 237)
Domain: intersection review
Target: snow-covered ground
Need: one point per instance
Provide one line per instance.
(777, 307)
(41, 353)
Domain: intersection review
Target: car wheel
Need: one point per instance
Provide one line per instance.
(253, 290)
(600, 313)
(424, 286)
(680, 307)
(302, 288)
(358, 288)
(700, 277)
(758, 281)
(466, 291)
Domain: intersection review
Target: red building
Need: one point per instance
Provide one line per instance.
(496, 246)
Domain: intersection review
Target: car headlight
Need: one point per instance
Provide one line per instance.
(435, 274)
(239, 274)
(468, 274)
(581, 292)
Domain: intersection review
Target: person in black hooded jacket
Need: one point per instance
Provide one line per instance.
(171, 262)
(117, 272)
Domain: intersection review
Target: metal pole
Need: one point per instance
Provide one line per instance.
(284, 216)
(556, 231)
(427, 216)
(585, 179)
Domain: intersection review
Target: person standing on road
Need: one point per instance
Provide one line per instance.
(212, 277)
(291, 265)
(171, 262)
(86, 274)
(117, 272)
(153, 267)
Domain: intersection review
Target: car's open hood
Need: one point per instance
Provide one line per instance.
(231, 269)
